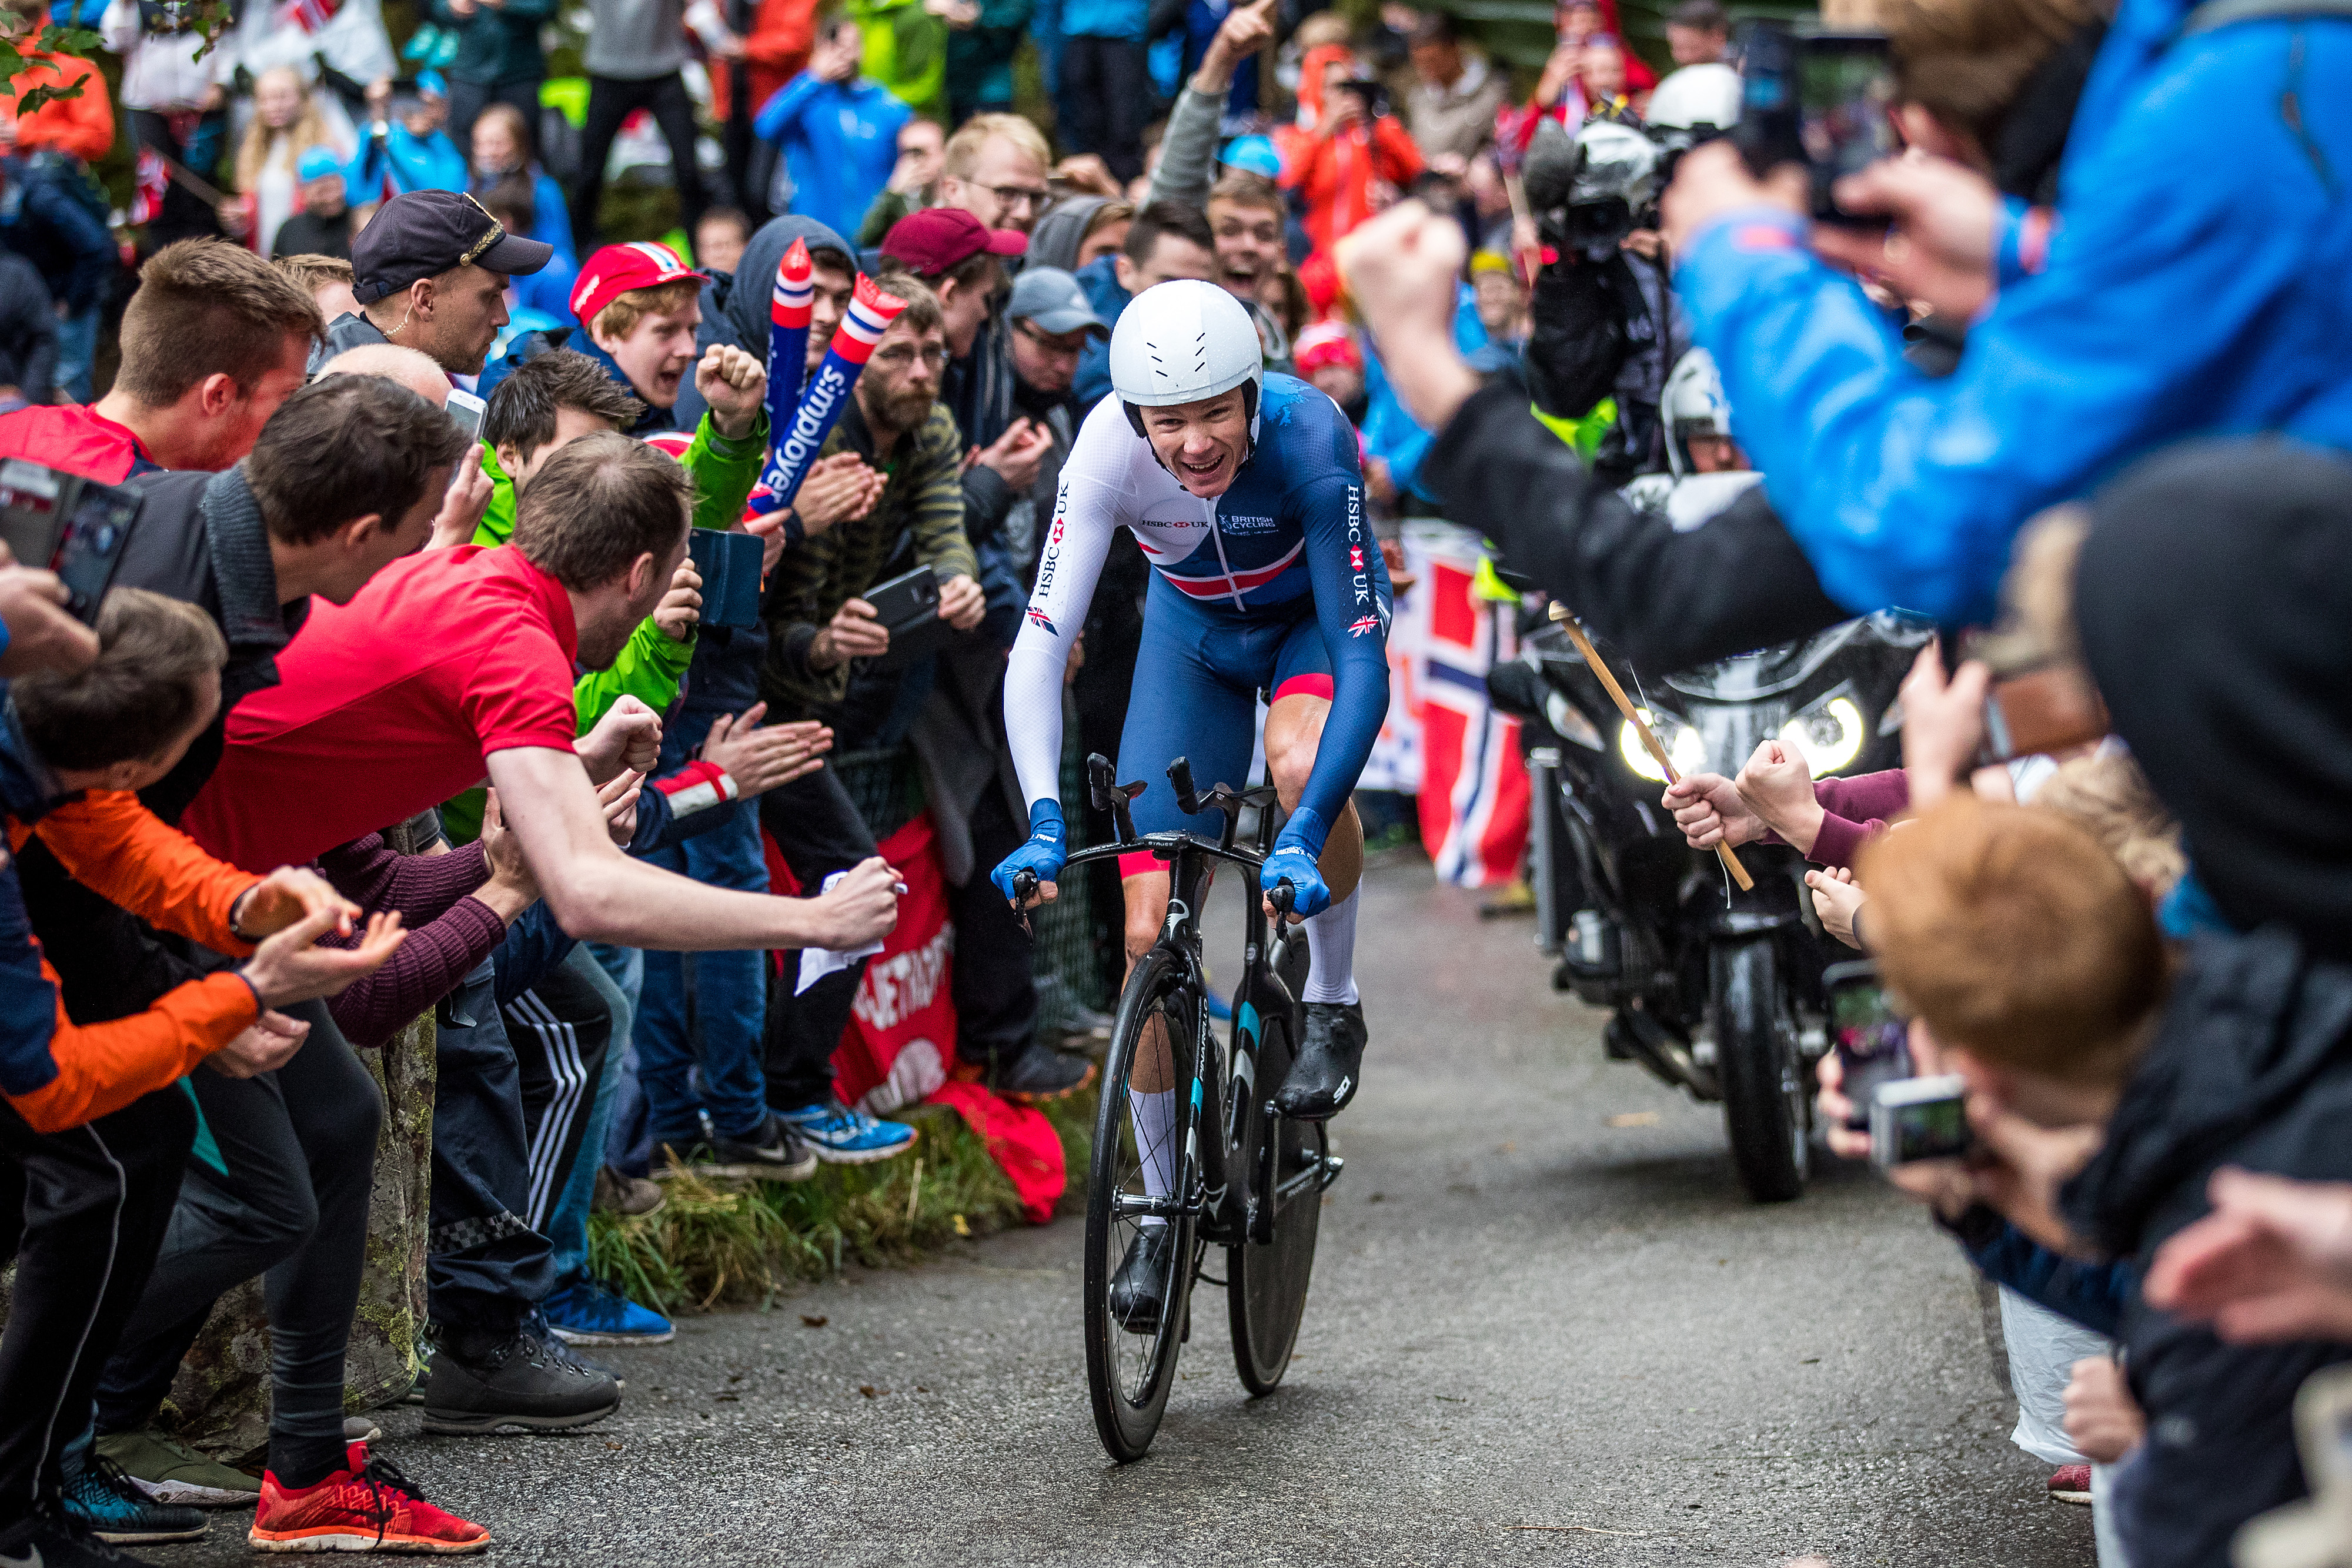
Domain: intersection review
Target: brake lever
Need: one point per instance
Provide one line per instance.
(1024, 888)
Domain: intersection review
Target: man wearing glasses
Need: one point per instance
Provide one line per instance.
(994, 169)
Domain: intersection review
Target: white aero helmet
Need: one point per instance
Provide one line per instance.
(1704, 98)
(1181, 341)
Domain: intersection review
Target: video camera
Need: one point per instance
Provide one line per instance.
(64, 523)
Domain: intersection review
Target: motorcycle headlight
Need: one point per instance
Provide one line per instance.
(1682, 744)
(1828, 734)
(1571, 725)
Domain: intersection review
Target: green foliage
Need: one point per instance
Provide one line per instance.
(57, 41)
(718, 1242)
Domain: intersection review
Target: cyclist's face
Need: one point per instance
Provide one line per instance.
(1202, 444)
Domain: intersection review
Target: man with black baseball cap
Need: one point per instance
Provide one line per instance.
(430, 273)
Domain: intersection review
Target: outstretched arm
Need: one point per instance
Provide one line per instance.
(600, 894)
(1351, 605)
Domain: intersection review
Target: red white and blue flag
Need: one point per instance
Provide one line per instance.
(1473, 784)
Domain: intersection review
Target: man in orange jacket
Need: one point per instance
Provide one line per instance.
(85, 1217)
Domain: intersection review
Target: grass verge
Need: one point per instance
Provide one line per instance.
(739, 1242)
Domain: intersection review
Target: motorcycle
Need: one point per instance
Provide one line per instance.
(1714, 989)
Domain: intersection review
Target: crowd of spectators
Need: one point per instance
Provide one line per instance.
(383, 720)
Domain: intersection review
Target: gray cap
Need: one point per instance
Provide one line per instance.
(1052, 299)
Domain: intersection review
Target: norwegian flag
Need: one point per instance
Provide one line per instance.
(1473, 794)
(151, 181)
(309, 14)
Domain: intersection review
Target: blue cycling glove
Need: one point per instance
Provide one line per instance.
(1047, 847)
(1293, 860)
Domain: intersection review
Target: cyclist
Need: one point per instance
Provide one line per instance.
(1246, 492)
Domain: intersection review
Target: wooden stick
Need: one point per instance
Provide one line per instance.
(1633, 717)
(1531, 261)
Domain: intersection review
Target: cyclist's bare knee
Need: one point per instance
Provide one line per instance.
(1146, 897)
(1294, 728)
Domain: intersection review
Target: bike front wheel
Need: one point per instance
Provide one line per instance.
(1265, 1285)
(1130, 1370)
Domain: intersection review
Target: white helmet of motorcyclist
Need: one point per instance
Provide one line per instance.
(1695, 98)
(1185, 341)
(1694, 400)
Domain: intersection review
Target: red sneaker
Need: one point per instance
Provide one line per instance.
(367, 1506)
(2070, 1483)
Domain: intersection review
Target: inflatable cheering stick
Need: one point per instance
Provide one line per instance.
(788, 329)
(870, 313)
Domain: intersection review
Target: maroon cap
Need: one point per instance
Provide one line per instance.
(930, 242)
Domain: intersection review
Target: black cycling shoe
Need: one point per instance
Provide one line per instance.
(480, 1384)
(1330, 1063)
(1139, 1292)
(1036, 1073)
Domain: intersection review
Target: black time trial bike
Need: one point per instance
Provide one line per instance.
(1244, 1178)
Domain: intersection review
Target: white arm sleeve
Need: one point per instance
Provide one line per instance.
(1088, 508)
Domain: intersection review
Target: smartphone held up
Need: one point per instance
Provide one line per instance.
(64, 523)
(1908, 1118)
(1819, 98)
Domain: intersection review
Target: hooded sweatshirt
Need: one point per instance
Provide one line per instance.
(2212, 598)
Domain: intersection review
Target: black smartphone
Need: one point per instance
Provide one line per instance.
(64, 523)
(1823, 100)
(1871, 1037)
(730, 565)
(1845, 103)
(908, 604)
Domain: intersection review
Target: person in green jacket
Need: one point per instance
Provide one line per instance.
(906, 51)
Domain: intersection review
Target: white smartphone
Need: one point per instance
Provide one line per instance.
(467, 410)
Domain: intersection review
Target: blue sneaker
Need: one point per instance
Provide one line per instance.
(584, 1312)
(841, 1137)
(111, 1507)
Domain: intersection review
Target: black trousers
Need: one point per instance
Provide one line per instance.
(562, 1030)
(83, 1213)
(1105, 101)
(288, 1201)
(817, 828)
(469, 99)
(484, 1264)
(612, 100)
(993, 976)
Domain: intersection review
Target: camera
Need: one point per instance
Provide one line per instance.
(64, 523)
(1591, 189)
(1919, 1119)
(1823, 100)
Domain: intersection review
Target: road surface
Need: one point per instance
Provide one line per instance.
(1545, 1328)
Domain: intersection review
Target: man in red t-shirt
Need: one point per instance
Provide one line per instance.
(215, 339)
(459, 661)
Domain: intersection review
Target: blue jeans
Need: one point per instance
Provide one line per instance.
(704, 1011)
(77, 353)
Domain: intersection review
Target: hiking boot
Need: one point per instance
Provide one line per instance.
(617, 1192)
(1037, 1074)
(60, 1541)
(586, 1313)
(111, 1506)
(168, 1470)
(1139, 1292)
(839, 1136)
(1330, 1063)
(367, 1506)
(480, 1384)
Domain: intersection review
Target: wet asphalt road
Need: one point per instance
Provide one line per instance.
(1534, 1337)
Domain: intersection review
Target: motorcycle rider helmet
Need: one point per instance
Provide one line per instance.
(1183, 342)
(1703, 98)
(1693, 405)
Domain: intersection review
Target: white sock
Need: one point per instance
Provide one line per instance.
(1331, 953)
(1154, 1116)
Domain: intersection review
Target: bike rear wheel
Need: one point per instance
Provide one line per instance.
(1128, 1374)
(1266, 1286)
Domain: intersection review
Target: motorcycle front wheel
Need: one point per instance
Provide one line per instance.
(1765, 1105)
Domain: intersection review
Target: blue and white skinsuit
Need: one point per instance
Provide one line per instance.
(1276, 586)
